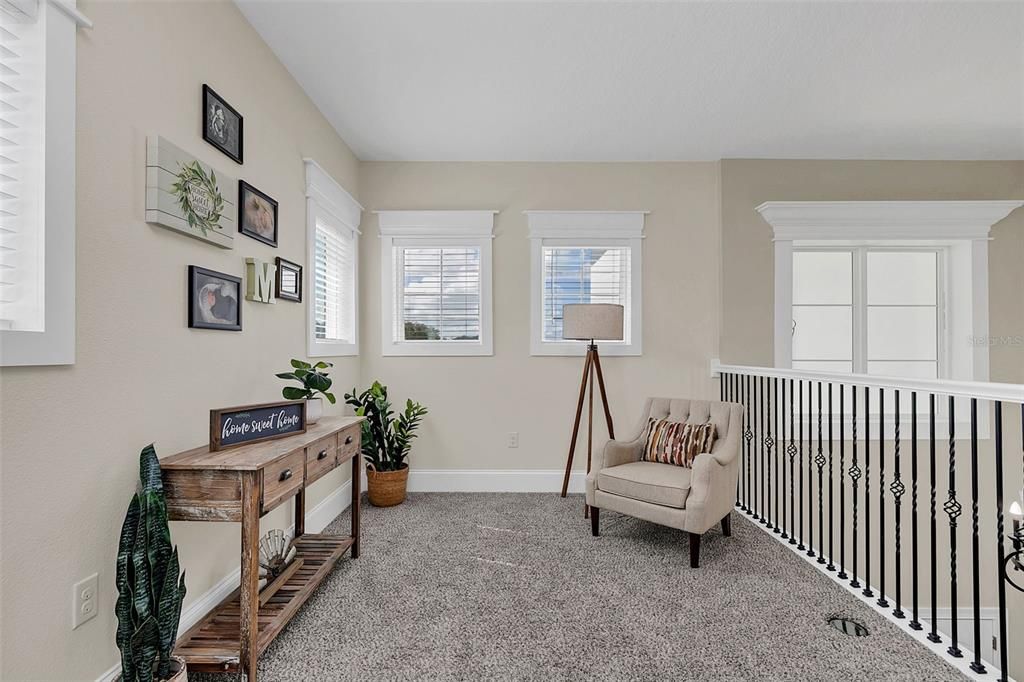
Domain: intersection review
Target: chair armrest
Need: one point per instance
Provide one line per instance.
(712, 491)
(618, 452)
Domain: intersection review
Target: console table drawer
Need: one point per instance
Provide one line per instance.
(282, 478)
(348, 443)
(321, 457)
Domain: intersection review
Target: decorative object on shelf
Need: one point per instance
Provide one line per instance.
(259, 280)
(214, 300)
(276, 551)
(150, 589)
(222, 124)
(231, 426)
(187, 195)
(257, 214)
(386, 442)
(590, 322)
(314, 380)
(289, 280)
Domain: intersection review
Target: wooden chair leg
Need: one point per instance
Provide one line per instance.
(694, 550)
(595, 515)
(727, 525)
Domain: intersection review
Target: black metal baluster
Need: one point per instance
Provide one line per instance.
(933, 636)
(782, 472)
(976, 664)
(747, 436)
(1004, 662)
(953, 509)
(792, 456)
(882, 601)
(842, 483)
(867, 592)
(760, 448)
(855, 473)
(775, 451)
(915, 624)
(897, 489)
(800, 433)
(810, 469)
(831, 498)
(767, 507)
(819, 460)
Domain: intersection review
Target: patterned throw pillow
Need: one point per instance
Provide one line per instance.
(677, 443)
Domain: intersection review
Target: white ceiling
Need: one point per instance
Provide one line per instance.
(559, 81)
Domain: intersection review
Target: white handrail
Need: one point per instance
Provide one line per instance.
(1013, 393)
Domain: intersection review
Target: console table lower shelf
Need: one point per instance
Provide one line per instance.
(212, 645)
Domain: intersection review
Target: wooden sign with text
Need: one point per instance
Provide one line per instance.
(234, 426)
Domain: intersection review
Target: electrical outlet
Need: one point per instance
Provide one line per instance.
(513, 439)
(84, 600)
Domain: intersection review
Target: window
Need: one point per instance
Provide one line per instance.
(333, 239)
(869, 310)
(585, 257)
(37, 182)
(436, 282)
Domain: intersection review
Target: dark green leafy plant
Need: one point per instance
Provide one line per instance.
(386, 440)
(150, 590)
(311, 377)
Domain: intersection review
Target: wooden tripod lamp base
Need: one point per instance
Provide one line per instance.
(586, 322)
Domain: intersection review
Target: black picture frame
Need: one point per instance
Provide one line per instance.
(244, 188)
(221, 131)
(280, 291)
(202, 316)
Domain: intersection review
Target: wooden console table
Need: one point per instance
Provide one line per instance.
(242, 484)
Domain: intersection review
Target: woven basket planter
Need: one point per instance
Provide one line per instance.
(386, 488)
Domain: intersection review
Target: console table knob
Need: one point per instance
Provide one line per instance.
(348, 441)
(321, 455)
(285, 475)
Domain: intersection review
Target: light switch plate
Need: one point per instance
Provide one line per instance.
(513, 439)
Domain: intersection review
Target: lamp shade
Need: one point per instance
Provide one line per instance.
(592, 321)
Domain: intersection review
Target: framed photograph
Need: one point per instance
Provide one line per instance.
(257, 214)
(222, 125)
(289, 280)
(214, 300)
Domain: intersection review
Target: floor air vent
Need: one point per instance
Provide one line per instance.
(848, 626)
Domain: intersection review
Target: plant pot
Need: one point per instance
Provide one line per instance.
(179, 671)
(386, 488)
(314, 410)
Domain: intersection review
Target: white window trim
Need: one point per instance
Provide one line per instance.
(55, 345)
(436, 228)
(325, 196)
(585, 228)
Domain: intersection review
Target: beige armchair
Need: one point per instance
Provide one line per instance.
(694, 499)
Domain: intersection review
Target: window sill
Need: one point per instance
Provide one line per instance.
(579, 349)
(332, 350)
(437, 349)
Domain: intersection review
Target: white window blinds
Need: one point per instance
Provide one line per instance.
(334, 283)
(439, 293)
(583, 275)
(22, 178)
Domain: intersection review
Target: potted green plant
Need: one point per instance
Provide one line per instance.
(149, 587)
(387, 441)
(314, 380)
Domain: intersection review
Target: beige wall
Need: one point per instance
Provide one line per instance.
(475, 401)
(71, 435)
(748, 258)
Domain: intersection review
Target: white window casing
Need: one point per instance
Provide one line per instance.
(592, 256)
(37, 181)
(332, 266)
(436, 282)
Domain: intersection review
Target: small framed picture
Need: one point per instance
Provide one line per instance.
(257, 214)
(222, 125)
(214, 300)
(289, 280)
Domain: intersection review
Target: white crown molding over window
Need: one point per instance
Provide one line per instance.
(792, 220)
(586, 229)
(960, 228)
(435, 228)
(334, 206)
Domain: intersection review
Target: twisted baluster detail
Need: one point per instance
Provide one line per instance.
(854, 477)
(953, 510)
(897, 489)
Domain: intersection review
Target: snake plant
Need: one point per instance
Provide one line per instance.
(150, 590)
(386, 440)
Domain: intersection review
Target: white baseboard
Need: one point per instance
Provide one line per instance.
(493, 481)
(317, 519)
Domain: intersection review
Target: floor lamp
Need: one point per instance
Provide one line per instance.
(586, 322)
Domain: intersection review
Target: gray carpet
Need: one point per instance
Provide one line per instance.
(513, 587)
